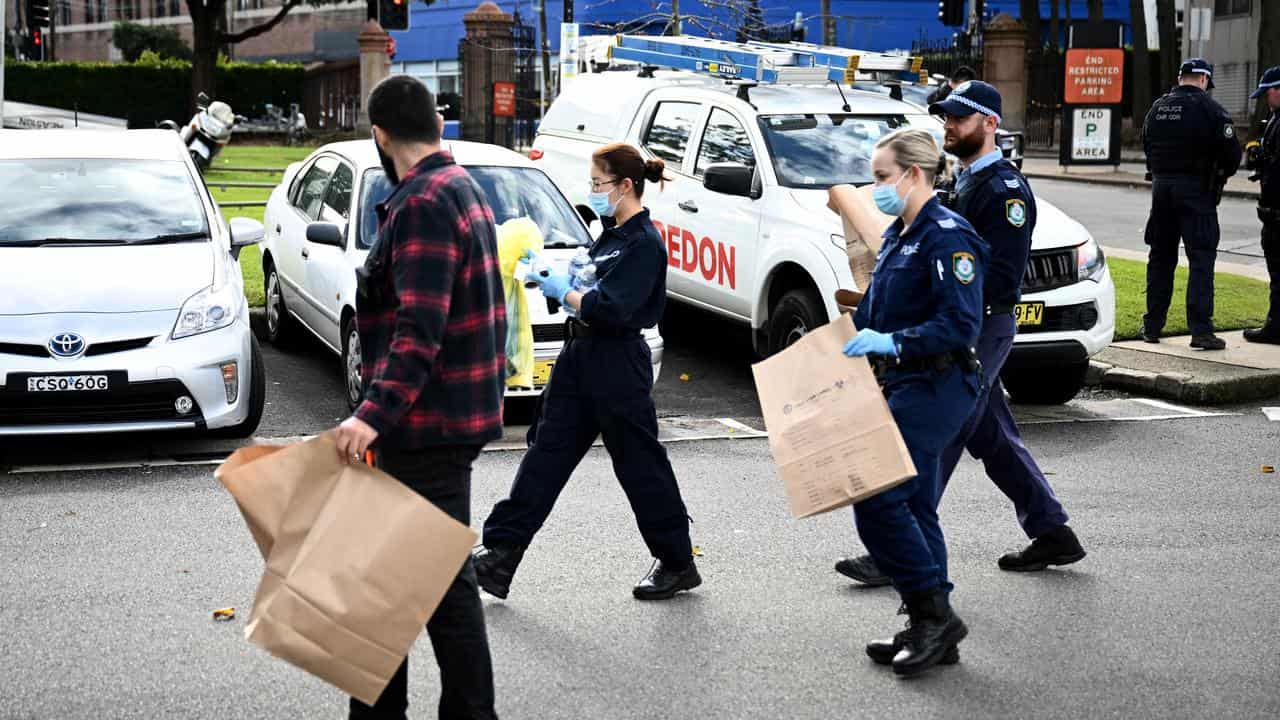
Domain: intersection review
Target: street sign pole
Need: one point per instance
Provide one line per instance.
(4, 36)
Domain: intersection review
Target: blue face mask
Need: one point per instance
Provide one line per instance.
(887, 199)
(599, 202)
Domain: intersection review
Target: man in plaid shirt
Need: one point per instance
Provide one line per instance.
(432, 321)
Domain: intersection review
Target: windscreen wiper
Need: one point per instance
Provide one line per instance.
(171, 238)
(41, 242)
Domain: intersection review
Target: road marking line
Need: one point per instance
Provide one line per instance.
(1190, 412)
(734, 424)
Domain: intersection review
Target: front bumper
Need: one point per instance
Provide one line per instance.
(1086, 298)
(153, 377)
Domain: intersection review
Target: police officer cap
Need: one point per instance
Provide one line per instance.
(1197, 66)
(1270, 79)
(969, 98)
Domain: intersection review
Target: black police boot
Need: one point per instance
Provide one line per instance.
(1208, 341)
(1150, 336)
(1059, 546)
(933, 631)
(864, 570)
(662, 583)
(1264, 335)
(881, 652)
(496, 566)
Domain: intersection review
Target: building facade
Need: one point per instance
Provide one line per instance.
(1225, 32)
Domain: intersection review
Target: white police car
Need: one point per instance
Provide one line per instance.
(745, 221)
(123, 306)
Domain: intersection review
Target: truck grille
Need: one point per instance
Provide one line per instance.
(1064, 318)
(136, 402)
(1049, 270)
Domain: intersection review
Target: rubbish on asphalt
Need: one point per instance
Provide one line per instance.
(684, 377)
(1268, 469)
(1272, 413)
(303, 504)
(697, 551)
(811, 396)
(224, 614)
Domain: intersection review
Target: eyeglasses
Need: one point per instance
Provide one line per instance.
(597, 184)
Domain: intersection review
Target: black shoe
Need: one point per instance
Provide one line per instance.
(881, 652)
(663, 584)
(933, 631)
(496, 566)
(1208, 342)
(1267, 336)
(1059, 546)
(864, 570)
(1150, 336)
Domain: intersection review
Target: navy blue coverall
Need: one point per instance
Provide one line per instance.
(1191, 149)
(997, 201)
(926, 292)
(600, 386)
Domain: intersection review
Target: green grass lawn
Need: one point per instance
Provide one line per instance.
(274, 156)
(263, 156)
(1239, 302)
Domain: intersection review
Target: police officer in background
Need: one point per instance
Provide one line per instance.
(1191, 149)
(996, 200)
(1264, 161)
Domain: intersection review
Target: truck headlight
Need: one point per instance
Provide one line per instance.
(206, 311)
(1090, 261)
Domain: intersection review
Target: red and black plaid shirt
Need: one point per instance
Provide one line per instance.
(433, 353)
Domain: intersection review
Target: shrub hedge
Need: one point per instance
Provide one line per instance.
(145, 93)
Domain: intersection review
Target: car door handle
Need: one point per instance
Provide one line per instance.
(306, 253)
(277, 229)
(688, 206)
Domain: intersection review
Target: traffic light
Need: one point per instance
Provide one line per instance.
(951, 12)
(37, 13)
(392, 14)
(35, 49)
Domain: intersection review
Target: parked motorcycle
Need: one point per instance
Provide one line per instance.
(208, 131)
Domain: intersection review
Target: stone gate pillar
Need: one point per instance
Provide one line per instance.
(1004, 64)
(487, 58)
(374, 67)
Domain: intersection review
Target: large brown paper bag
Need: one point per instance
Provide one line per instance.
(356, 562)
(864, 227)
(832, 436)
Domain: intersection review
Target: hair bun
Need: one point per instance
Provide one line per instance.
(655, 169)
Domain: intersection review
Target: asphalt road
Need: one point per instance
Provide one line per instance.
(1117, 217)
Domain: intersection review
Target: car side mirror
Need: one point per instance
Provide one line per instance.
(246, 231)
(323, 233)
(729, 179)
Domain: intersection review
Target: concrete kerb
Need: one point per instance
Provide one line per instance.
(1193, 383)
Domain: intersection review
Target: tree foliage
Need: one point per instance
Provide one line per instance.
(132, 39)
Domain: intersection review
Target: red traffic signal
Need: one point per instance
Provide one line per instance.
(393, 14)
(35, 38)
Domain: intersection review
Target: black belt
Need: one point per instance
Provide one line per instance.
(578, 330)
(966, 359)
(1268, 215)
(999, 309)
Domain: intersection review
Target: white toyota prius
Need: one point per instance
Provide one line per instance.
(122, 306)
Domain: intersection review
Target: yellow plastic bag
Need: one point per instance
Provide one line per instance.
(515, 237)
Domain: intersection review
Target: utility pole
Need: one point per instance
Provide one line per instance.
(4, 37)
(675, 17)
(828, 24)
(546, 54)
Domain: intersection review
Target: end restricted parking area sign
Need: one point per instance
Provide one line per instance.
(1092, 93)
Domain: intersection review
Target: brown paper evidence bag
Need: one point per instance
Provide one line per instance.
(356, 562)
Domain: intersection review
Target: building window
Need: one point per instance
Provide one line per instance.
(64, 12)
(1226, 8)
(248, 4)
(174, 8)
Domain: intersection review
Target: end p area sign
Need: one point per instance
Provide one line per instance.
(1091, 133)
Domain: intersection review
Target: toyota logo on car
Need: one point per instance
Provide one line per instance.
(66, 345)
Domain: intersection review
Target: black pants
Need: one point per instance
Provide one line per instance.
(443, 476)
(599, 388)
(1182, 209)
(1271, 250)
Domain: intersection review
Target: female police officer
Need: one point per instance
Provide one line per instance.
(919, 319)
(601, 385)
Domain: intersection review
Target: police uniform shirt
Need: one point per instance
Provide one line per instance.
(1270, 170)
(1188, 133)
(997, 201)
(631, 267)
(927, 285)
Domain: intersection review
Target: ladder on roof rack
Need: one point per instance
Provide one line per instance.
(763, 62)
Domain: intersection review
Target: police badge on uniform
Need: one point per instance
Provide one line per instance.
(962, 266)
(1015, 211)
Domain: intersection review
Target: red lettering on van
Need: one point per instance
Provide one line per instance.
(688, 251)
(715, 261)
(728, 266)
(707, 258)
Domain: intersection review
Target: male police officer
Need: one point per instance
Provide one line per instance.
(1264, 161)
(996, 199)
(1191, 150)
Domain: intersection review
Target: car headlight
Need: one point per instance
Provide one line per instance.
(205, 311)
(1090, 261)
(838, 241)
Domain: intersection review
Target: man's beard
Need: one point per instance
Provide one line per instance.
(965, 146)
(388, 166)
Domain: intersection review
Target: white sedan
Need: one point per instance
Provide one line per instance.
(123, 307)
(321, 222)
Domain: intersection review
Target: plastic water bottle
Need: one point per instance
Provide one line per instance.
(580, 260)
(539, 267)
(586, 280)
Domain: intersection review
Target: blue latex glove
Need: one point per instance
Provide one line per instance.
(871, 342)
(556, 285)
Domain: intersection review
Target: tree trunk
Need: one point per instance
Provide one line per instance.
(546, 57)
(1030, 12)
(1170, 47)
(1055, 39)
(1095, 11)
(204, 47)
(1268, 49)
(1141, 93)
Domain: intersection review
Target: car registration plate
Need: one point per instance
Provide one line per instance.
(68, 383)
(542, 372)
(1029, 313)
